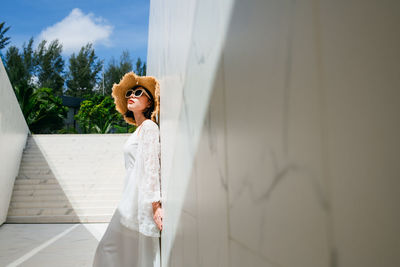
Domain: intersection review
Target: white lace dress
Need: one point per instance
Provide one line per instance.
(132, 237)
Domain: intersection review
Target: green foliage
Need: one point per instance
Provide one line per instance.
(17, 71)
(26, 99)
(4, 41)
(83, 73)
(47, 114)
(67, 130)
(49, 65)
(116, 70)
(43, 112)
(32, 72)
(124, 129)
(140, 67)
(97, 115)
(28, 57)
(45, 65)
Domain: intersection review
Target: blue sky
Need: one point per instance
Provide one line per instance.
(112, 26)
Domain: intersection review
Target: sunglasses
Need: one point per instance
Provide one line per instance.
(136, 92)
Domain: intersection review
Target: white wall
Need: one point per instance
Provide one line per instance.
(13, 134)
(182, 56)
(279, 131)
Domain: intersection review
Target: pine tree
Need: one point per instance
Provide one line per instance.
(17, 71)
(83, 73)
(50, 66)
(140, 69)
(115, 70)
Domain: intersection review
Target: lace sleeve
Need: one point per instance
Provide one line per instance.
(151, 183)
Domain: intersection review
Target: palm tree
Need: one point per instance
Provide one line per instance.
(42, 110)
(4, 41)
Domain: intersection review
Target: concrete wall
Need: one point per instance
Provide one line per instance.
(279, 131)
(13, 134)
(182, 56)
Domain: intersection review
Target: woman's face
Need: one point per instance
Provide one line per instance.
(138, 104)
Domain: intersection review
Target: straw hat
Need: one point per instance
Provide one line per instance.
(130, 80)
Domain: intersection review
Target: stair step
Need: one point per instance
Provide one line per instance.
(110, 197)
(31, 154)
(102, 218)
(67, 186)
(35, 167)
(77, 191)
(63, 204)
(35, 172)
(60, 191)
(32, 148)
(60, 211)
(71, 182)
(31, 163)
(27, 158)
(34, 180)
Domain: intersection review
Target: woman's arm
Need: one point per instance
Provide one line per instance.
(151, 180)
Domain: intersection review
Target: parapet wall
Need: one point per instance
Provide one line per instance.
(13, 135)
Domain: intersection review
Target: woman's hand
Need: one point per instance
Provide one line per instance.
(158, 215)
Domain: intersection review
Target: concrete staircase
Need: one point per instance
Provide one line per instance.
(68, 178)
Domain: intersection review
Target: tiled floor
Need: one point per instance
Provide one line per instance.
(49, 244)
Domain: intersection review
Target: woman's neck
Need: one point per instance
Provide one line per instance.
(139, 118)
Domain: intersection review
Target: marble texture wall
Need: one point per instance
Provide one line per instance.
(279, 131)
(13, 134)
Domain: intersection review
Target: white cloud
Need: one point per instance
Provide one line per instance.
(78, 29)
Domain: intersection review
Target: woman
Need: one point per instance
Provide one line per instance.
(133, 235)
